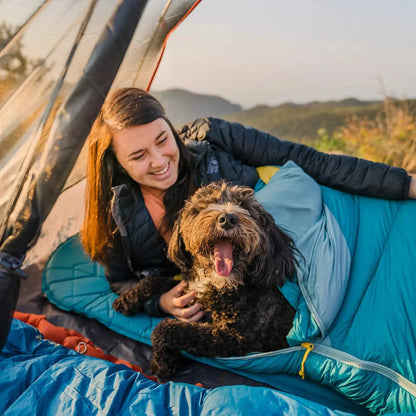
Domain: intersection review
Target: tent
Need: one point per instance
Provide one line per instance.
(58, 61)
(52, 87)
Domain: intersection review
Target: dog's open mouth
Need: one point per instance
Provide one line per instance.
(223, 257)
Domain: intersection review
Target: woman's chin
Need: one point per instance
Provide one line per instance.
(164, 182)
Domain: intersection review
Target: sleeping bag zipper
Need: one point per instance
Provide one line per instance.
(353, 361)
(336, 355)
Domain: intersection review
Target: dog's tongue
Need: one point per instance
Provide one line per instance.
(223, 256)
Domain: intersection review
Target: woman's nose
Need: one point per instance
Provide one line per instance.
(156, 159)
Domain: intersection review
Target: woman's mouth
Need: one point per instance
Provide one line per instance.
(162, 171)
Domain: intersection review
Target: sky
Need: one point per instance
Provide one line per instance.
(273, 51)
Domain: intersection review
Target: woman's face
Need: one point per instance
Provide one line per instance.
(148, 153)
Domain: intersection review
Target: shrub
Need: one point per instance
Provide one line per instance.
(389, 138)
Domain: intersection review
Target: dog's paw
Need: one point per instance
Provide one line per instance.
(163, 368)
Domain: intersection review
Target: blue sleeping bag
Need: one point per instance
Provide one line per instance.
(39, 377)
(355, 326)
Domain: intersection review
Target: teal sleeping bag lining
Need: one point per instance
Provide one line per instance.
(353, 294)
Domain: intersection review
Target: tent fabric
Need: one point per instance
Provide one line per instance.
(49, 105)
(71, 124)
(33, 368)
(374, 238)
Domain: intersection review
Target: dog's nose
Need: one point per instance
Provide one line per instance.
(227, 221)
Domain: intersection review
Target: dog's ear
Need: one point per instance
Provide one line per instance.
(177, 251)
(278, 263)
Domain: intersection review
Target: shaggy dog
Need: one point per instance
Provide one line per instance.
(234, 256)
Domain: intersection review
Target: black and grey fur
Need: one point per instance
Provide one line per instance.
(244, 310)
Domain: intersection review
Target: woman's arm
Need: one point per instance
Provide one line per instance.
(346, 173)
(174, 302)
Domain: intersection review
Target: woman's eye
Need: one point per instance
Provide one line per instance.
(138, 157)
(163, 139)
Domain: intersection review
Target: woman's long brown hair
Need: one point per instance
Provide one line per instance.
(124, 108)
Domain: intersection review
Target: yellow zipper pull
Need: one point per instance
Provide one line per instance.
(309, 347)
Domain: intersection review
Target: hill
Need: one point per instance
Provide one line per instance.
(300, 122)
(290, 121)
(184, 106)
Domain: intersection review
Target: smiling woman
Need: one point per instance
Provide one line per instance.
(148, 153)
(134, 148)
(141, 172)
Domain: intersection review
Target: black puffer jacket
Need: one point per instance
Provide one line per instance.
(256, 148)
(230, 151)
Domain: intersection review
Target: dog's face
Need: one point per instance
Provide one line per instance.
(223, 236)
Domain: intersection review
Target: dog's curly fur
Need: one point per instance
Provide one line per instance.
(244, 311)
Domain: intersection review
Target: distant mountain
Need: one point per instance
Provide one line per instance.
(300, 122)
(290, 121)
(183, 106)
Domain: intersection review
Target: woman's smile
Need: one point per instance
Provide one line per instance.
(148, 153)
(162, 171)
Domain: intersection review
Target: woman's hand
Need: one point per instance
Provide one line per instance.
(177, 304)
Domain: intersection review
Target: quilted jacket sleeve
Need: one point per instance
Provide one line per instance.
(346, 173)
(117, 268)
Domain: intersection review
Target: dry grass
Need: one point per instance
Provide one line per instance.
(389, 138)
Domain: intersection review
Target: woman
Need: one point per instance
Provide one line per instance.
(140, 172)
